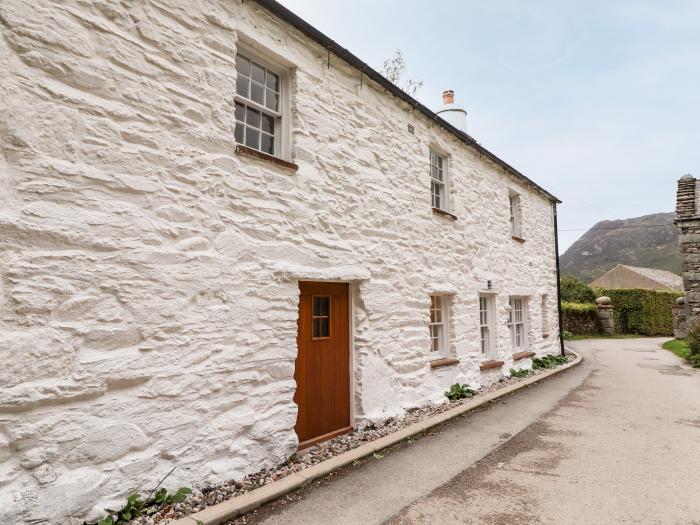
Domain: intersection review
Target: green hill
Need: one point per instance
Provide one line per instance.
(628, 241)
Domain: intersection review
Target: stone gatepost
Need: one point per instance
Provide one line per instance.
(606, 321)
(688, 224)
(680, 325)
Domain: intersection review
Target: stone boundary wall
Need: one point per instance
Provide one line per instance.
(579, 323)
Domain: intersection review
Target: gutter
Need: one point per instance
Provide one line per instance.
(331, 46)
(556, 255)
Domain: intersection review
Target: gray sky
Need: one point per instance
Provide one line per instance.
(598, 101)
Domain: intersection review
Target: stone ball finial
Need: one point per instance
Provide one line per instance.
(603, 300)
(680, 300)
(687, 176)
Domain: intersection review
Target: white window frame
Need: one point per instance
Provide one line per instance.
(439, 163)
(544, 306)
(518, 323)
(487, 326)
(516, 215)
(282, 116)
(439, 325)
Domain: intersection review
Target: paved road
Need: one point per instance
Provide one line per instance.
(614, 440)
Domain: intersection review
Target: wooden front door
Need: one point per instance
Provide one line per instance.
(323, 362)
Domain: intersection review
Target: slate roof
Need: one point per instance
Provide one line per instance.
(617, 275)
(666, 278)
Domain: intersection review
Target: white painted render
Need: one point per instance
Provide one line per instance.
(149, 274)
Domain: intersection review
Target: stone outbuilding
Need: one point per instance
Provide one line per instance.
(225, 236)
(625, 276)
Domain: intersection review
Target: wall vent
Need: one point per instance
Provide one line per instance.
(411, 129)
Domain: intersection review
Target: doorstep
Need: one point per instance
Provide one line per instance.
(231, 508)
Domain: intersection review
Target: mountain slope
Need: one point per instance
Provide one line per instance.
(607, 244)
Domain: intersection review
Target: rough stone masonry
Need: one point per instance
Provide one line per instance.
(149, 274)
(688, 223)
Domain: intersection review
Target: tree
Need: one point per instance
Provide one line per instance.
(393, 69)
(574, 290)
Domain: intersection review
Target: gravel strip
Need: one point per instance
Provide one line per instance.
(208, 496)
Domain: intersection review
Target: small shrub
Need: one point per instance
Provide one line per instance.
(574, 290)
(523, 372)
(548, 361)
(693, 340)
(457, 392)
(567, 335)
(694, 360)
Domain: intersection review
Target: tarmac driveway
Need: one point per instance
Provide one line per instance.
(614, 440)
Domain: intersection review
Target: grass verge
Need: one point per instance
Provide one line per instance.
(678, 347)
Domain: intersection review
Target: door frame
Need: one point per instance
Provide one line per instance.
(352, 287)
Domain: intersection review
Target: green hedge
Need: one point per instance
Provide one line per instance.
(645, 312)
(579, 318)
(579, 308)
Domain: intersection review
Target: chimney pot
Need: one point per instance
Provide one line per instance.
(448, 97)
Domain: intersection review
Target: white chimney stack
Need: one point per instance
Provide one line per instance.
(451, 112)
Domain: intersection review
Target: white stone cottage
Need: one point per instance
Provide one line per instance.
(179, 289)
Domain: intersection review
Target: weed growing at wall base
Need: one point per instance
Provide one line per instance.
(548, 361)
(457, 392)
(523, 372)
(135, 506)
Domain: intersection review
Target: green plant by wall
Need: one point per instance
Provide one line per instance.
(693, 340)
(548, 361)
(644, 312)
(523, 372)
(458, 391)
(574, 290)
(136, 506)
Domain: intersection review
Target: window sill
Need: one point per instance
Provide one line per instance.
(518, 239)
(493, 363)
(438, 211)
(439, 363)
(250, 152)
(523, 355)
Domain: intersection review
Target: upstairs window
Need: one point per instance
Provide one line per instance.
(516, 221)
(516, 322)
(438, 181)
(438, 325)
(258, 105)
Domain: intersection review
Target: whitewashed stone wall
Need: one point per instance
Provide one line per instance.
(148, 274)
